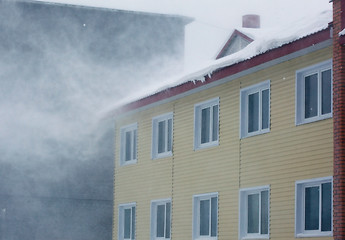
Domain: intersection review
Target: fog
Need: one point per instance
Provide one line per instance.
(60, 66)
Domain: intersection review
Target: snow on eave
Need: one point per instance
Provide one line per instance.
(342, 33)
(268, 40)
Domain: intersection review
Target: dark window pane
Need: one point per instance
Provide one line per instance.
(160, 220)
(128, 146)
(311, 93)
(253, 213)
(214, 216)
(264, 212)
(326, 204)
(312, 208)
(133, 223)
(253, 112)
(127, 223)
(205, 125)
(326, 91)
(167, 217)
(265, 108)
(134, 156)
(161, 137)
(215, 123)
(204, 217)
(169, 135)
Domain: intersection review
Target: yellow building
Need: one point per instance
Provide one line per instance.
(245, 154)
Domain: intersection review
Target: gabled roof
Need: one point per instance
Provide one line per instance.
(231, 46)
(269, 46)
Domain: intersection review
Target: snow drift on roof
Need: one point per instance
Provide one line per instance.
(264, 40)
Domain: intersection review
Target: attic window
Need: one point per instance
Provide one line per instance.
(236, 42)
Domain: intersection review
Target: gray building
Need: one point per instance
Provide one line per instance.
(59, 64)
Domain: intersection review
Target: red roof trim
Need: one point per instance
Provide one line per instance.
(232, 69)
(233, 35)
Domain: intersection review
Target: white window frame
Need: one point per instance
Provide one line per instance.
(196, 216)
(122, 208)
(245, 92)
(300, 206)
(197, 123)
(155, 122)
(300, 92)
(154, 205)
(243, 212)
(123, 131)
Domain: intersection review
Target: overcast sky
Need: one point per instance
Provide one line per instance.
(220, 13)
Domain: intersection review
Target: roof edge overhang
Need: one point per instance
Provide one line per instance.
(297, 48)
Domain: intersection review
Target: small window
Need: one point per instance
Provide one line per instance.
(314, 207)
(314, 93)
(254, 212)
(127, 221)
(128, 151)
(205, 216)
(162, 135)
(255, 109)
(206, 124)
(160, 219)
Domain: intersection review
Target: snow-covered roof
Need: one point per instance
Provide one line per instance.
(264, 40)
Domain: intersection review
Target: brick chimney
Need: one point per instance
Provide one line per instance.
(338, 121)
(251, 21)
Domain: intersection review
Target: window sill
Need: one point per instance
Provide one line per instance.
(162, 155)
(206, 145)
(314, 234)
(256, 133)
(256, 236)
(314, 119)
(125, 163)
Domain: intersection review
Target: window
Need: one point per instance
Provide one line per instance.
(126, 221)
(162, 136)
(205, 216)
(206, 123)
(255, 109)
(314, 207)
(160, 219)
(314, 93)
(254, 212)
(128, 149)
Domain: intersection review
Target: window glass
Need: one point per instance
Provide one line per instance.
(169, 135)
(127, 223)
(133, 222)
(264, 212)
(134, 144)
(161, 137)
(326, 91)
(160, 220)
(265, 108)
(128, 146)
(204, 217)
(205, 125)
(215, 123)
(214, 213)
(167, 230)
(253, 213)
(253, 112)
(311, 93)
(326, 207)
(311, 208)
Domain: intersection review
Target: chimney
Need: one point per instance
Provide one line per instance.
(338, 121)
(251, 21)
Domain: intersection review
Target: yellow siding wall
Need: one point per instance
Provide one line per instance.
(279, 158)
